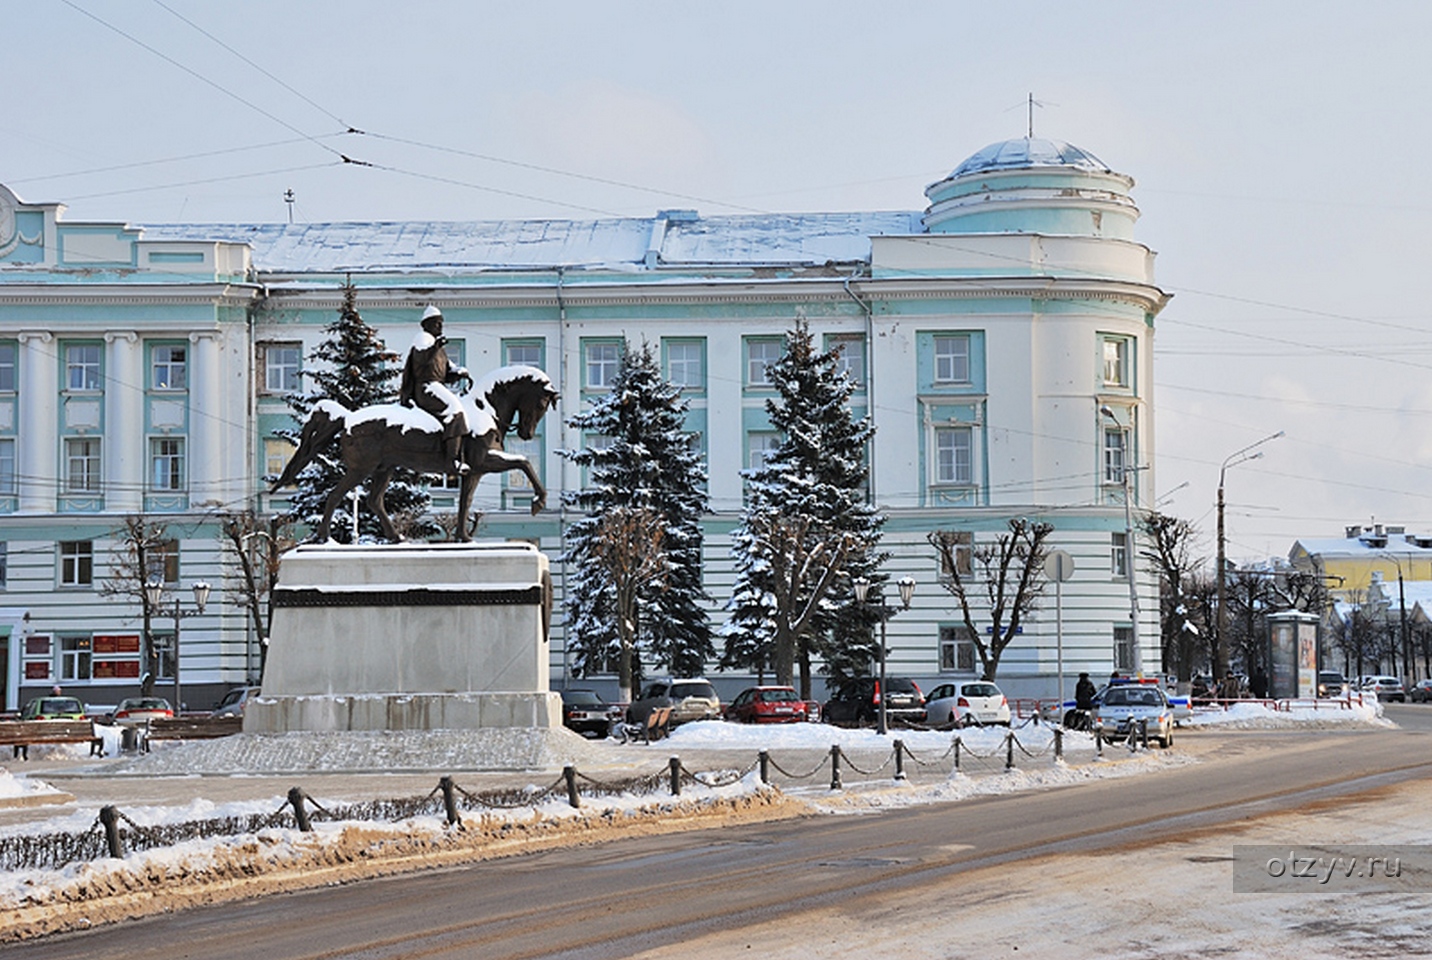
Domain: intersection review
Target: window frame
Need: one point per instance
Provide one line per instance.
(765, 362)
(615, 363)
(267, 350)
(9, 480)
(176, 478)
(953, 379)
(540, 346)
(90, 475)
(1116, 373)
(9, 367)
(76, 563)
(182, 365)
(76, 657)
(956, 649)
(853, 345)
(937, 459)
(770, 440)
(669, 345)
(84, 367)
(1119, 554)
(1123, 647)
(1115, 457)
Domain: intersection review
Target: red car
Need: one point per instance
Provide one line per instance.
(767, 705)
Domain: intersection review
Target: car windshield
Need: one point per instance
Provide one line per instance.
(146, 704)
(777, 696)
(1131, 697)
(680, 690)
(60, 705)
(581, 696)
(981, 690)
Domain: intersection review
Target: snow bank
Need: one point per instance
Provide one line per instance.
(1252, 716)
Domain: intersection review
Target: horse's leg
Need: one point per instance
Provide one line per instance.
(500, 461)
(349, 480)
(376, 489)
(461, 531)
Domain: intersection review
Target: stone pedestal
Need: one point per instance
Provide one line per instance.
(408, 637)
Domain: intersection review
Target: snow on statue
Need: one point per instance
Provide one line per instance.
(380, 438)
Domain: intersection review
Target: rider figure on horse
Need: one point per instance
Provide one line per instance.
(426, 376)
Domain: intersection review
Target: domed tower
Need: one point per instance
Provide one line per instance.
(1033, 185)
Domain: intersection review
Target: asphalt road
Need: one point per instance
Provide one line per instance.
(616, 899)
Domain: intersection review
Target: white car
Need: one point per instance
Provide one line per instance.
(966, 703)
(1122, 710)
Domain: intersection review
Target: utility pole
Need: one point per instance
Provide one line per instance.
(1220, 633)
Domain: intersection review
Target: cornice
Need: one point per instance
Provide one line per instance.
(107, 295)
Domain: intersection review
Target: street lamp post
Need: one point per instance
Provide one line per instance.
(1137, 662)
(907, 592)
(1220, 632)
(153, 592)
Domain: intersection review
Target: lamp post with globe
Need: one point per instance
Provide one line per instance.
(906, 586)
(153, 593)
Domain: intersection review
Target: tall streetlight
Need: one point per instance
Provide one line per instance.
(1137, 662)
(907, 592)
(1402, 603)
(153, 592)
(1220, 632)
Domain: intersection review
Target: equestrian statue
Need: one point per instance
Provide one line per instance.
(436, 431)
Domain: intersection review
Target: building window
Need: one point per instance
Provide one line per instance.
(282, 362)
(166, 459)
(851, 358)
(760, 446)
(686, 364)
(170, 368)
(76, 563)
(7, 466)
(1119, 555)
(74, 658)
(760, 356)
(82, 465)
(1123, 648)
(954, 451)
(957, 650)
(164, 654)
(964, 543)
(82, 366)
(1115, 441)
(1116, 362)
(276, 454)
(522, 352)
(952, 359)
(161, 561)
(8, 379)
(602, 362)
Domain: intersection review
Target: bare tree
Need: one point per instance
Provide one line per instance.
(805, 559)
(258, 543)
(628, 544)
(1012, 570)
(1169, 547)
(143, 553)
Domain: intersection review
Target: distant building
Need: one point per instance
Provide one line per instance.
(1002, 339)
(1351, 563)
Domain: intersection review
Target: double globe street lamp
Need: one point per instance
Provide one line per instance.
(862, 592)
(153, 593)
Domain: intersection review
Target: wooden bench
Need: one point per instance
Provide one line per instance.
(192, 728)
(20, 735)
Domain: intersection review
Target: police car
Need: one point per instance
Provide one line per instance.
(1181, 706)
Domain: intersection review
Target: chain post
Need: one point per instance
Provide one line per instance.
(449, 801)
(109, 816)
(675, 764)
(958, 743)
(835, 766)
(765, 759)
(899, 759)
(569, 773)
(1009, 750)
(295, 797)
(1058, 744)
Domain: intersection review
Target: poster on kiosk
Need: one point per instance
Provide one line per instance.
(1292, 655)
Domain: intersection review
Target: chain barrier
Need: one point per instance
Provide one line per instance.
(797, 776)
(866, 773)
(1025, 750)
(930, 763)
(724, 778)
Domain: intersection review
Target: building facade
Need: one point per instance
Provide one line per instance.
(1002, 340)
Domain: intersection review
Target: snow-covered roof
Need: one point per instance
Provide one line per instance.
(1030, 152)
(1391, 545)
(678, 239)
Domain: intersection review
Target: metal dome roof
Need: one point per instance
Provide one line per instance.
(1030, 152)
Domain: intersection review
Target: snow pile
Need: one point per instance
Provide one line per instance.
(1250, 716)
(22, 788)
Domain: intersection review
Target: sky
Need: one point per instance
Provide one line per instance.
(1278, 150)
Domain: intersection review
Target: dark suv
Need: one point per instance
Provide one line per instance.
(859, 702)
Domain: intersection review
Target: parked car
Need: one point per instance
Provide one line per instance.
(53, 708)
(1331, 684)
(584, 711)
(1386, 688)
(1421, 693)
(767, 705)
(1123, 707)
(965, 703)
(136, 710)
(691, 699)
(235, 701)
(859, 702)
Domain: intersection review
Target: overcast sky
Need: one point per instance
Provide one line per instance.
(1280, 152)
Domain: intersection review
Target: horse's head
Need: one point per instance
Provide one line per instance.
(521, 392)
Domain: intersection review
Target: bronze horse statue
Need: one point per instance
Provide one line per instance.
(380, 438)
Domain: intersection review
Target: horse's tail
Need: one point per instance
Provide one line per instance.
(323, 424)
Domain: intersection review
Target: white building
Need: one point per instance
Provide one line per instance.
(142, 368)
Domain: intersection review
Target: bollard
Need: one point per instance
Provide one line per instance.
(765, 759)
(109, 816)
(570, 775)
(1058, 744)
(1099, 740)
(957, 754)
(449, 801)
(835, 767)
(1009, 751)
(675, 764)
(899, 759)
(1144, 733)
(295, 797)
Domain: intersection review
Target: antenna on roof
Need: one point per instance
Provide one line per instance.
(288, 199)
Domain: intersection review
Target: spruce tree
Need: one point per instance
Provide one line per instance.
(816, 471)
(644, 460)
(353, 366)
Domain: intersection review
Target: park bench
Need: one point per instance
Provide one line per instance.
(192, 728)
(20, 735)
